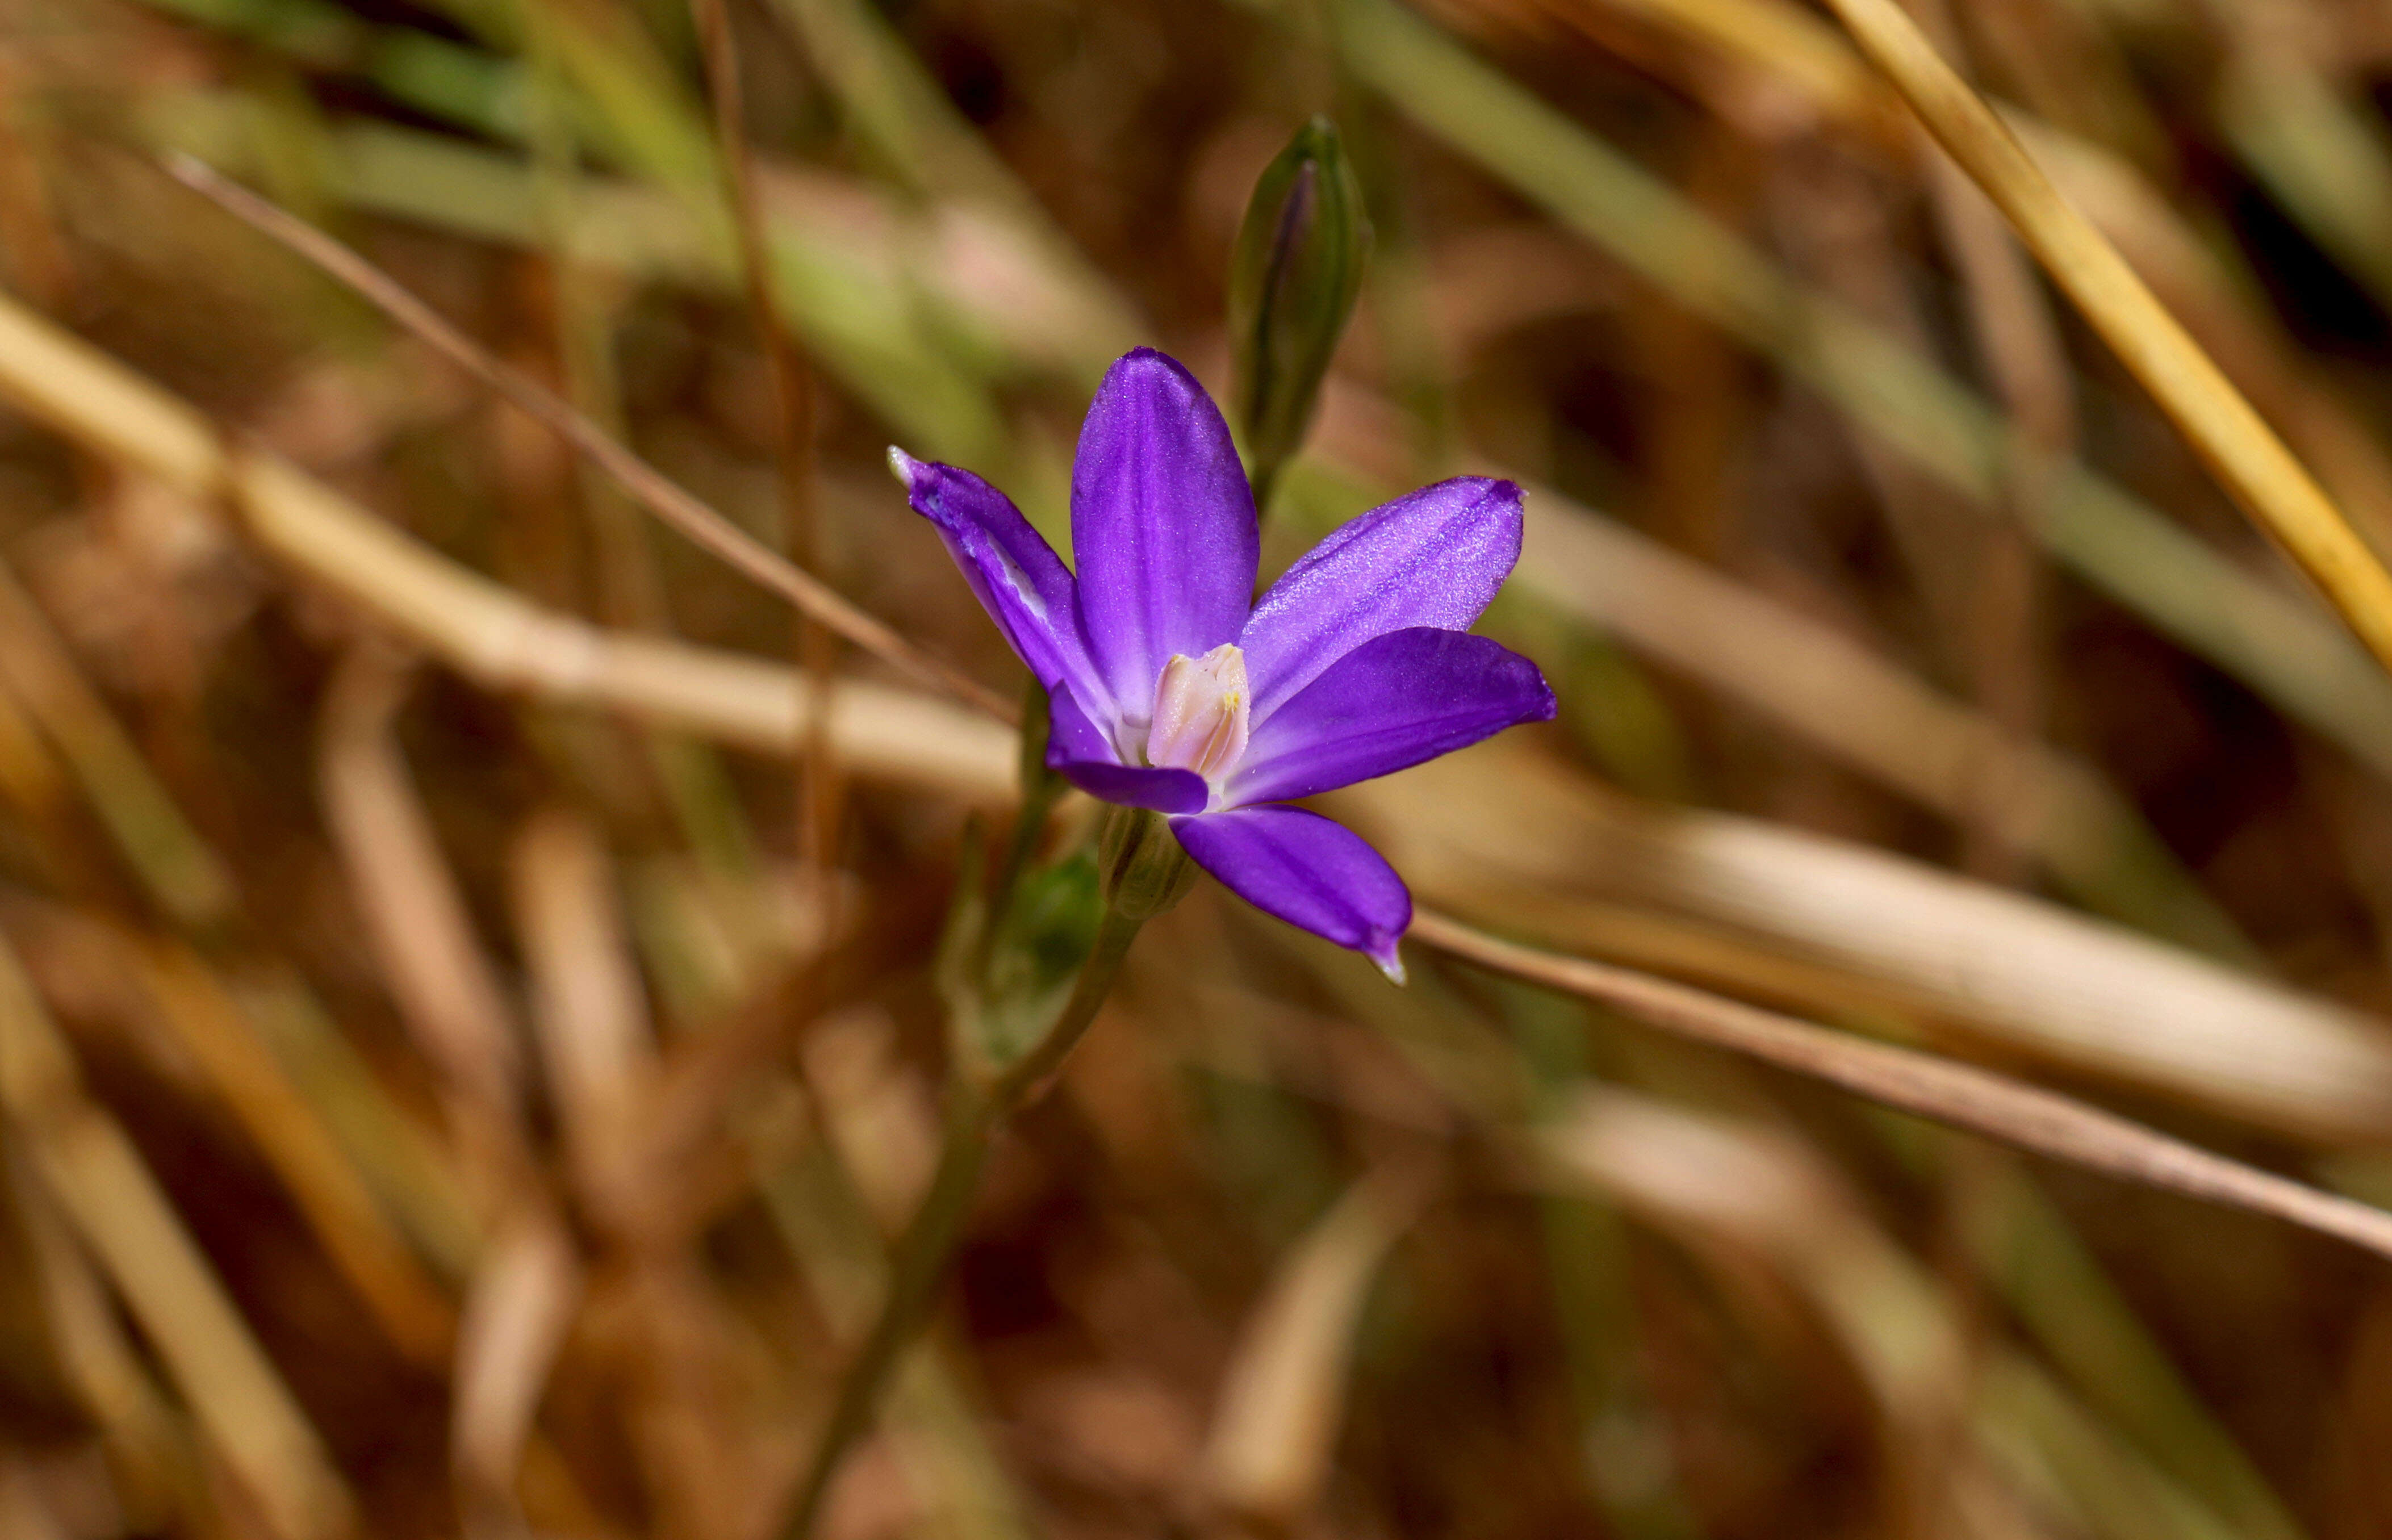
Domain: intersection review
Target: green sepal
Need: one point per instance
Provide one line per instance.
(1046, 938)
(1144, 869)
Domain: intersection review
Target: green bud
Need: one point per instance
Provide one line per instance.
(1144, 869)
(1293, 276)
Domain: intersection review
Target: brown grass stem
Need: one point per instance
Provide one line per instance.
(2028, 1118)
(793, 407)
(488, 633)
(2020, 352)
(650, 488)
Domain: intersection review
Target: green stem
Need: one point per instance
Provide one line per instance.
(1038, 800)
(1041, 789)
(923, 1253)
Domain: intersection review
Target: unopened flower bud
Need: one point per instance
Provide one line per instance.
(1293, 278)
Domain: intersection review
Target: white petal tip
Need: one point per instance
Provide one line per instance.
(1392, 966)
(903, 466)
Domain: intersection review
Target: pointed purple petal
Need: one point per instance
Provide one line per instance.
(1307, 871)
(1163, 525)
(1389, 704)
(1071, 733)
(1164, 790)
(1078, 750)
(1014, 573)
(1432, 558)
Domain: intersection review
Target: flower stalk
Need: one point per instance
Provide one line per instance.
(1041, 789)
(980, 1099)
(1200, 713)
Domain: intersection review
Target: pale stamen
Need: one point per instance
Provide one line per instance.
(1200, 713)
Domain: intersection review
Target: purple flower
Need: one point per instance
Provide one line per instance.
(1172, 689)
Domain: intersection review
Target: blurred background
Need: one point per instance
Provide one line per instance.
(456, 1078)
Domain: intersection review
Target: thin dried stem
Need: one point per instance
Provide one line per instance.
(702, 525)
(2020, 352)
(793, 410)
(2241, 449)
(2039, 1121)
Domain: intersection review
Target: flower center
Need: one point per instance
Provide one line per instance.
(1200, 712)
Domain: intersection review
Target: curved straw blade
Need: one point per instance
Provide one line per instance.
(1282, 1397)
(2241, 449)
(488, 633)
(2026, 1117)
(1817, 924)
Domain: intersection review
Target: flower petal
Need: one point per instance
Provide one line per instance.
(1014, 573)
(1389, 703)
(1432, 558)
(1163, 525)
(1309, 872)
(1078, 751)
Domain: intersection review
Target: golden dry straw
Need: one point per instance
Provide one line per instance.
(483, 630)
(2238, 447)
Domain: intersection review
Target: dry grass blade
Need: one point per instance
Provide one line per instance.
(88, 1163)
(2029, 1118)
(1503, 833)
(2239, 445)
(184, 876)
(102, 1368)
(1784, 42)
(792, 396)
(487, 632)
(654, 491)
(293, 1137)
(2017, 338)
(1267, 1459)
(416, 921)
(1861, 707)
(587, 1009)
(515, 1321)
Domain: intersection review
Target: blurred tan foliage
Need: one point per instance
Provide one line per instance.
(440, 1093)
